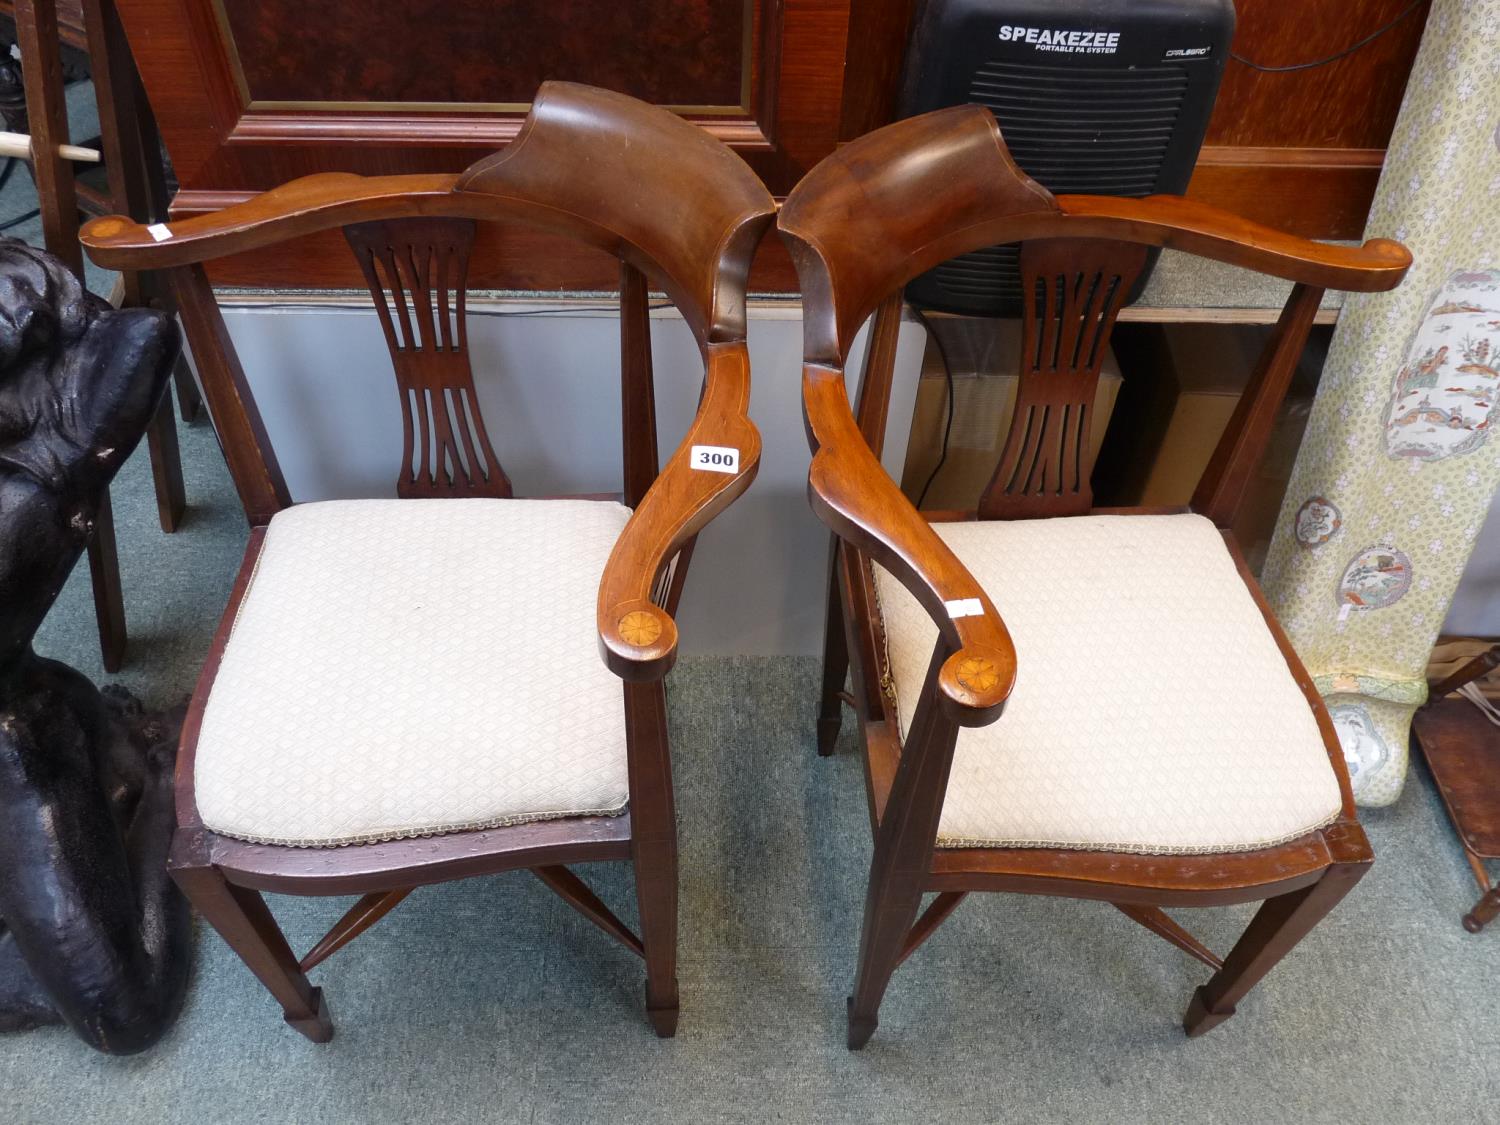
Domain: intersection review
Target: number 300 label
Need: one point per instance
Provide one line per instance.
(715, 458)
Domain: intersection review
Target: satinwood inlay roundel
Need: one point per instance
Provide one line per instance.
(978, 673)
(639, 628)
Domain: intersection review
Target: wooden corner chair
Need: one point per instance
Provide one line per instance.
(409, 691)
(1055, 699)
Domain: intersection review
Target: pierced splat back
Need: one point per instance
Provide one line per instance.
(417, 270)
(1073, 289)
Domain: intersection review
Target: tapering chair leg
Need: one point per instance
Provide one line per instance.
(1277, 927)
(653, 845)
(835, 664)
(902, 861)
(243, 920)
(889, 915)
(656, 892)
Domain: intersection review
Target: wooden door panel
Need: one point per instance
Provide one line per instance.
(251, 93)
(682, 53)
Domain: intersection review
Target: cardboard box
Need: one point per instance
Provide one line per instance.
(1206, 368)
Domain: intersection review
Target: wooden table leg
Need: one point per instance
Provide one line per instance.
(109, 598)
(189, 401)
(166, 466)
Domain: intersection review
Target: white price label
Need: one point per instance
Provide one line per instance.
(964, 607)
(159, 231)
(715, 458)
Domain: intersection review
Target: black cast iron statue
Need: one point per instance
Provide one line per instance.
(92, 932)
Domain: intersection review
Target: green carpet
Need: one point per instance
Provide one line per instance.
(490, 1000)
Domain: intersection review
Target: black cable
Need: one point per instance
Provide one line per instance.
(1374, 35)
(10, 166)
(948, 423)
(19, 219)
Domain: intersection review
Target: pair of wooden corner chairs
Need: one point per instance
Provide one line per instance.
(1052, 699)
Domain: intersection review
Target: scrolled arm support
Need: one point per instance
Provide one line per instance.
(851, 493)
(637, 638)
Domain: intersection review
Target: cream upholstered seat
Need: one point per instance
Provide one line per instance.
(408, 667)
(1153, 711)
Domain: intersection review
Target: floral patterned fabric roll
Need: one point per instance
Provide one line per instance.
(1399, 463)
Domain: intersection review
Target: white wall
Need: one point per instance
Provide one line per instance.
(1476, 605)
(548, 378)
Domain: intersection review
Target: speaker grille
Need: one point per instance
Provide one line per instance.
(1076, 130)
(1086, 130)
(991, 274)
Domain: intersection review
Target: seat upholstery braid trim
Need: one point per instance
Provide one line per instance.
(402, 668)
(1153, 711)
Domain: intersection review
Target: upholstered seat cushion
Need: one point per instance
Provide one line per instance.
(1153, 711)
(408, 667)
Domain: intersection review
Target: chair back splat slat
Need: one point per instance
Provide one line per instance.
(411, 265)
(1074, 289)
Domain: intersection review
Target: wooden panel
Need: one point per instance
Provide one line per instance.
(872, 79)
(671, 52)
(1350, 103)
(1302, 149)
(222, 138)
(764, 76)
(1314, 192)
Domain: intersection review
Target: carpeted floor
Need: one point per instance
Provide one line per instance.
(490, 1000)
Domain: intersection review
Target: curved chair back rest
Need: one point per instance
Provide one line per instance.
(894, 203)
(898, 201)
(678, 208)
(644, 185)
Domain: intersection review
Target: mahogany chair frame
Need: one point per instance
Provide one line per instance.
(868, 219)
(682, 213)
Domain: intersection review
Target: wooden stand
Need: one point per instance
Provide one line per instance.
(136, 188)
(1462, 748)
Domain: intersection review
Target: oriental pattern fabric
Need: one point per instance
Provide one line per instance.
(1400, 460)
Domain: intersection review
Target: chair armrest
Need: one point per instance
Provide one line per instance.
(301, 206)
(637, 638)
(1200, 228)
(853, 495)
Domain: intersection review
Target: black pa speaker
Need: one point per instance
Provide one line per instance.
(1094, 97)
